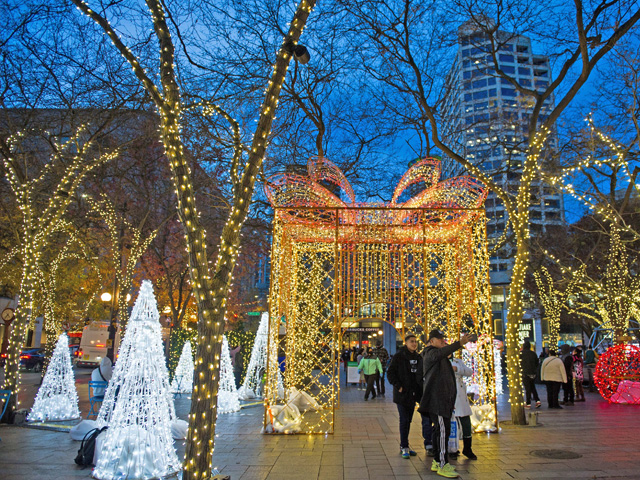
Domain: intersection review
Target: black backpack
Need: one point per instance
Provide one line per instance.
(88, 447)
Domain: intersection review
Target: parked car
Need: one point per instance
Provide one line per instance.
(32, 359)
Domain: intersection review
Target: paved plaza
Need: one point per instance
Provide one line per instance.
(594, 440)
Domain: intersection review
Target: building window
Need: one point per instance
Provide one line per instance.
(524, 71)
(506, 58)
(508, 69)
(508, 92)
(479, 95)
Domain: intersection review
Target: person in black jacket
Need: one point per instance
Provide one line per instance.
(439, 396)
(529, 364)
(405, 374)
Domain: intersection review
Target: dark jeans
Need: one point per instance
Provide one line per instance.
(406, 416)
(466, 426)
(553, 390)
(441, 432)
(530, 388)
(370, 379)
(569, 394)
(380, 383)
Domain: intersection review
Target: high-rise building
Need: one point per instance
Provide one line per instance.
(486, 121)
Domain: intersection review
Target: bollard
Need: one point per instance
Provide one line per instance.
(533, 419)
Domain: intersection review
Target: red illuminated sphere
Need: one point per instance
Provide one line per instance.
(617, 374)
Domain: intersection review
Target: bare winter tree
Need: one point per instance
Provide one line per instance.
(210, 286)
(402, 43)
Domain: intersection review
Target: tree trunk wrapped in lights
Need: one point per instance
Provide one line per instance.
(57, 398)
(210, 287)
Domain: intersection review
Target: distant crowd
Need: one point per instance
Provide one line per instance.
(568, 372)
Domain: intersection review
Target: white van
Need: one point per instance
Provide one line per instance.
(93, 345)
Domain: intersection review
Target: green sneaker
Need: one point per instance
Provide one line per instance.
(434, 466)
(448, 471)
(405, 453)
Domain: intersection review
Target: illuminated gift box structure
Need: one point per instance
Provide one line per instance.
(417, 264)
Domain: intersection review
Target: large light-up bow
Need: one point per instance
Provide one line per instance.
(320, 190)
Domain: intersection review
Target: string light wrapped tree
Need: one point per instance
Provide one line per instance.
(227, 394)
(142, 343)
(183, 376)
(553, 300)
(211, 288)
(42, 210)
(57, 398)
(138, 443)
(407, 78)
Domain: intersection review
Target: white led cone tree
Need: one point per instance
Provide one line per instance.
(257, 362)
(183, 376)
(227, 394)
(57, 398)
(138, 443)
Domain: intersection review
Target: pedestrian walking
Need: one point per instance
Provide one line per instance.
(370, 367)
(567, 387)
(462, 408)
(439, 396)
(360, 355)
(590, 360)
(405, 374)
(383, 356)
(578, 374)
(553, 374)
(529, 365)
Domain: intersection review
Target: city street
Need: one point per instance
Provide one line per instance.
(590, 440)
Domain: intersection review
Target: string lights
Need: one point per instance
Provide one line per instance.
(138, 246)
(252, 384)
(57, 398)
(334, 263)
(617, 374)
(138, 405)
(210, 289)
(227, 395)
(554, 301)
(66, 169)
(183, 377)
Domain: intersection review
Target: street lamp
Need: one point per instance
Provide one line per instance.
(105, 297)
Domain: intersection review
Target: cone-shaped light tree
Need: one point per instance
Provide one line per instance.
(257, 363)
(138, 443)
(57, 398)
(227, 394)
(142, 342)
(183, 376)
(211, 287)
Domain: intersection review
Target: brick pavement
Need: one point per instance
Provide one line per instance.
(365, 446)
